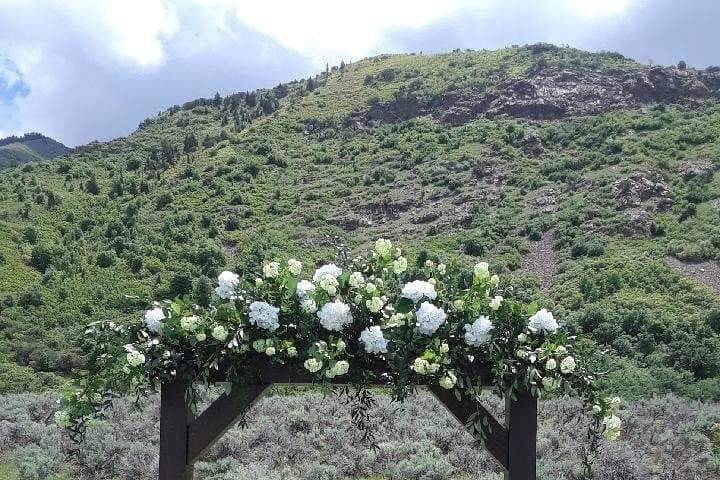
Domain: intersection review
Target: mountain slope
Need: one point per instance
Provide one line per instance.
(31, 147)
(467, 155)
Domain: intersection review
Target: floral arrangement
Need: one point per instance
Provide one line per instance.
(429, 326)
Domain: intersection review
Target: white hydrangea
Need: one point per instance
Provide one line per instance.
(612, 425)
(374, 304)
(304, 289)
(551, 364)
(190, 323)
(329, 269)
(418, 289)
(219, 333)
(295, 266)
(200, 337)
(496, 302)
(227, 283)
(313, 365)
(448, 380)
(568, 365)
(428, 318)
(383, 247)
(329, 284)
(543, 322)
(153, 319)
(373, 339)
(481, 271)
(308, 305)
(264, 315)
(135, 358)
(356, 280)
(479, 332)
(400, 265)
(271, 269)
(335, 316)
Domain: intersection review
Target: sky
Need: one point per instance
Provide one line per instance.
(83, 70)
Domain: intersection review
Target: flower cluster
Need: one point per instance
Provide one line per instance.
(344, 321)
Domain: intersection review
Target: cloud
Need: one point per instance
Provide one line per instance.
(80, 70)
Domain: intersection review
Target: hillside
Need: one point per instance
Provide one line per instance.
(589, 177)
(31, 147)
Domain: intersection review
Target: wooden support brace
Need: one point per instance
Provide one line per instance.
(174, 419)
(521, 424)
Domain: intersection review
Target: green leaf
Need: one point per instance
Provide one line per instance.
(227, 387)
(291, 286)
(532, 308)
(405, 305)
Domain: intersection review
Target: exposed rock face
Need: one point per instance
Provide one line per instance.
(554, 93)
(701, 169)
(641, 189)
(640, 223)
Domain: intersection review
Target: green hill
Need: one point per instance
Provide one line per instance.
(589, 177)
(31, 147)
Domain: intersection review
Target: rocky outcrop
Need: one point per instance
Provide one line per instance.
(641, 190)
(700, 169)
(553, 93)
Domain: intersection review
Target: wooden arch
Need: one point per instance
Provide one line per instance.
(183, 438)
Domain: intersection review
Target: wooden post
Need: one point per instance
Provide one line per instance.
(174, 420)
(521, 425)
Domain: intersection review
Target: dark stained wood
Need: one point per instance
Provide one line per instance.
(183, 440)
(174, 418)
(219, 417)
(496, 436)
(521, 424)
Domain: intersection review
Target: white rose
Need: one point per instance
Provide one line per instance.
(135, 358)
(567, 365)
(442, 268)
(270, 351)
(220, 333)
(420, 365)
(448, 380)
(341, 368)
(259, 345)
(481, 271)
(329, 284)
(190, 323)
(271, 270)
(294, 266)
(444, 347)
(551, 364)
(356, 280)
(496, 302)
(400, 265)
(340, 345)
(383, 247)
(374, 304)
(292, 352)
(313, 365)
(612, 426)
(200, 337)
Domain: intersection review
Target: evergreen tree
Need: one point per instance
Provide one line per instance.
(190, 144)
(217, 100)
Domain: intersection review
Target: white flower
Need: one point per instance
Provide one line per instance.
(374, 304)
(612, 426)
(153, 319)
(522, 338)
(383, 247)
(481, 271)
(313, 365)
(418, 289)
(561, 350)
(428, 318)
(568, 365)
(496, 302)
(479, 332)
(264, 315)
(258, 281)
(335, 316)
(356, 280)
(543, 322)
(444, 348)
(340, 345)
(220, 333)
(329, 269)
(551, 364)
(62, 419)
(329, 284)
(271, 269)
(308, 305)
(200, 337)
(442, 268)
(495, 280)
(340, 368)
(400, 265)
(459, 304)
(421, 366)
(304, 288)
(190, 323)
(596, 409)
(270, 351)
(615, 402)
(448, 380)
(259, 345)
(135, 358)
(429, 264)
(295, 266)
(370, 287)
(374, 340)
(227, 283)
(292, 352)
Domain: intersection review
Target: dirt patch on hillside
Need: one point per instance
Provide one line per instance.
(554, 93)
(542, 261)
(707, 273)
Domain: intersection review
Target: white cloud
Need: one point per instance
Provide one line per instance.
(328, 30)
